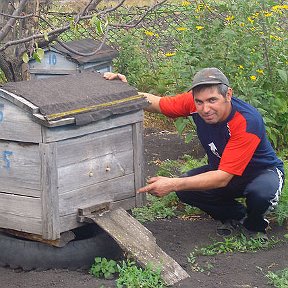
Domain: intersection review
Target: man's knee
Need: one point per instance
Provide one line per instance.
(259, 202)
(182, 195)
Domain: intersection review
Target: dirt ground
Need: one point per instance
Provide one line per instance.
(177, 237)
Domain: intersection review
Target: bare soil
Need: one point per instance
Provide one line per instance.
(177, 237)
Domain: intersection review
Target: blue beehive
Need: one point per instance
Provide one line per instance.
(60, 61)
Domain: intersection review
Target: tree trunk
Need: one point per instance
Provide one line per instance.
(11, 68)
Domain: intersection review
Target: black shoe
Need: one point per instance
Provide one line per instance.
(258, 236)
(228, 228)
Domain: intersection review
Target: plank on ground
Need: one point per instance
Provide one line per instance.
(139, 242)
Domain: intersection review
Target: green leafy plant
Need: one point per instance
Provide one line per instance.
(192, 260)
(157, 208)
(235, 244)
(104, 268)
(131, 276)
(278, 279)
(228, 245)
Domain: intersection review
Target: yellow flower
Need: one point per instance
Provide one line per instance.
(149, 33)
(253, 78)
(199, 7)
(185, 3)
(170, 54)
(268, 14)
(240, 66)
(230, 18)
(279, 7)
(241, 24)
(198, 27)
(260, 71)
(277, 38)
(181, 28)
(250, 20)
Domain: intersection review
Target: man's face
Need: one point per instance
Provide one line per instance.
(212, 106)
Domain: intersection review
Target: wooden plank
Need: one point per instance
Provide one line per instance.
(94, 145)
(40, 119)
(72, 131)
(20, 213)
(128, 233)
(50, 199)
(19, 101)
(64, 239)
(108, 191)
(95, 170)
(17, 124)
(138, 149)
(20, 168)
(69, 222)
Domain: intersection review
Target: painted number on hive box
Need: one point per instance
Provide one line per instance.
(6, 159)
(1, 112)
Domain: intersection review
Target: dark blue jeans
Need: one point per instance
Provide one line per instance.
(261, 192)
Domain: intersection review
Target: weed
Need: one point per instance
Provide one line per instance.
(103, 268)
(174, 168)
(278, 279)
(236, 244)
(230, 244)
(196, 267)
(131, 276)
(157, 208)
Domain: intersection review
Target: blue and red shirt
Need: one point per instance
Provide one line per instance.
(238, 145)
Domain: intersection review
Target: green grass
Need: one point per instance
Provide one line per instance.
(278, 279)
(132, 276)
(157, 208)
(236, 244)
(233, 244)
(128, 274)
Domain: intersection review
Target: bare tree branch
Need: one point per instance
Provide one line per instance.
(86, 54)
(34, 37)
(128, 25)
(90, 6)
(17, 17)
(112, 9)
(7, 28)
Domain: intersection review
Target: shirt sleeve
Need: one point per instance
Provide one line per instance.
(180, 105)
(240, 147)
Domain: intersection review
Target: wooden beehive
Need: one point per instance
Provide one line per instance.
(67, 143)
(60, 61)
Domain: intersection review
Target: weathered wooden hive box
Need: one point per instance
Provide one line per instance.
(67, 143)
(60, 61)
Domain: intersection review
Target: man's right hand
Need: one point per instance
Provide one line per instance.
(113, 76)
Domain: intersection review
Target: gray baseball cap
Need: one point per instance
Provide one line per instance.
(209, 76)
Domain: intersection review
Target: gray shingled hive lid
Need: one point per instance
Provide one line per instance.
(106, 53)
(82, 98)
